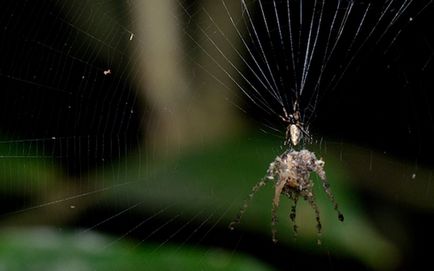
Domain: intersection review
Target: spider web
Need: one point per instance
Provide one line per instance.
(110, 110)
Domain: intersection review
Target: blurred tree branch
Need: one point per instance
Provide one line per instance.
(187, 107)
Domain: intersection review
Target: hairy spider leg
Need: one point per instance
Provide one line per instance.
(274, 220)
(326, 185)
(310, 197)
(255, 189)
(292, 214)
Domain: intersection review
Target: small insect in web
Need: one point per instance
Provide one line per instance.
(291, 172)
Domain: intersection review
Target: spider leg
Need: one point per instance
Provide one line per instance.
(326, 185)
(276, 201)
(293, 212)
(255, 189)
(304, 131)
(286, 114)
(294, 197)
(287, 136)
(310, 197)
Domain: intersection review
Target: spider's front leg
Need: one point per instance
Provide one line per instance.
(255, 189)
(278, 191)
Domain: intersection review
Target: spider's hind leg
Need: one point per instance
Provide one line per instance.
(274, 221)
(310, 197)
(293, 213)
(243, 209)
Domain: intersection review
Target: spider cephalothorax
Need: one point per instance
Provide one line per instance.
(290, 173)
(295, 130)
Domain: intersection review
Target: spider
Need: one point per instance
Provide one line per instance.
(295, 131)
(290, 172)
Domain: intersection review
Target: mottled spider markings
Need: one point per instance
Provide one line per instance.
(290, 172)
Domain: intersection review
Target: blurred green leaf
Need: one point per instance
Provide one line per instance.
(46, 249)
(22, 168)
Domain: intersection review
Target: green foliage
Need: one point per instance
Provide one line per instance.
(46, 249)
(208, 183)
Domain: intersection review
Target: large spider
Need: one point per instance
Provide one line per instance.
(291, 175)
